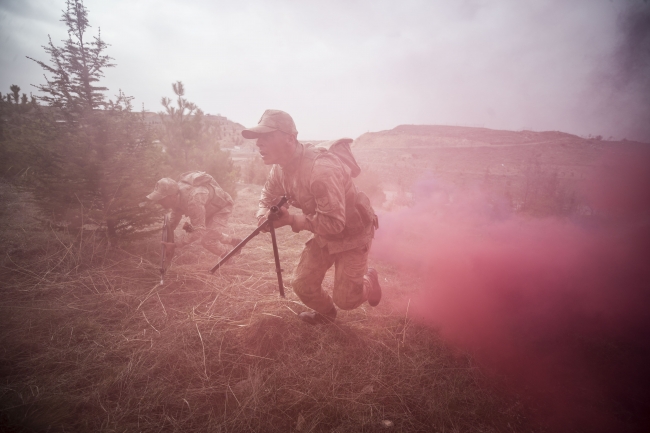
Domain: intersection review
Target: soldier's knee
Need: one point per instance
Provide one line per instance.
(349, 296)
(206, 242)
(211, 237)
(301, 285)
(213, 245)
(343, 305)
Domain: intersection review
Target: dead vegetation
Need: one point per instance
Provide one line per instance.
(90, 342)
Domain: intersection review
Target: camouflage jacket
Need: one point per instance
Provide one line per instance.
(201, 199)
(319, 183)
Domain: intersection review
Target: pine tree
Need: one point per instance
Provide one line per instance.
(183, 124)
(192, 143)
(16, 92)
(76, 67)
(19, 129)
(96, 162)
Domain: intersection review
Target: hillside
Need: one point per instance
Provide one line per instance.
(409, 136)
(510, 162)
(94, 343)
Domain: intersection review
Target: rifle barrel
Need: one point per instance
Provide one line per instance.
(239, 246)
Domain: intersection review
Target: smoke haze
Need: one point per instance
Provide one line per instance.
(558, 309)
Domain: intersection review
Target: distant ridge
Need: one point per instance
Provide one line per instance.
(510, 163)
(457, 136)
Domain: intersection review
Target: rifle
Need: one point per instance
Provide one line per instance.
(273, 215)
(163, 254)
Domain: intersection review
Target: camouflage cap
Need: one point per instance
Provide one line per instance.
(164, 187)
(272, 120)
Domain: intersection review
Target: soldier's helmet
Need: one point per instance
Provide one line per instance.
(164, 187)
(272, 120)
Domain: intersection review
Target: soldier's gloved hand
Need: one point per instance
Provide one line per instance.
(282, 218)
(170, 248)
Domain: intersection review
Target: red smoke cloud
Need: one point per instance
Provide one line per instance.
(556, 308)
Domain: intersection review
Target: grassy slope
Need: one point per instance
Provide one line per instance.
(90, 342)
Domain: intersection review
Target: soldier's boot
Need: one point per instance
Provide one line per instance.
(374, 292)
(314, 318)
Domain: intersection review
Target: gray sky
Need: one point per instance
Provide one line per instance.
(342, 68)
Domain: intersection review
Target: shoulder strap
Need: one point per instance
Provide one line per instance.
(309, 156)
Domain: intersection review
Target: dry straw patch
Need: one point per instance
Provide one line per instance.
(90, 342)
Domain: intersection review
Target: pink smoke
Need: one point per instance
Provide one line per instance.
(539, 302)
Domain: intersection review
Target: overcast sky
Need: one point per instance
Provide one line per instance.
(342, 68)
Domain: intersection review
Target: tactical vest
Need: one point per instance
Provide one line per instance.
(359, 214)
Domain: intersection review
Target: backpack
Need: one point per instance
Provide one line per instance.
(218, 197)
(197, 178)
(341, 148)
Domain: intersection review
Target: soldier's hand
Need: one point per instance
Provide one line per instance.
(282, 218)
(170, 248)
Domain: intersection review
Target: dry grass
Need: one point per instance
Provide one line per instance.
(90, 342)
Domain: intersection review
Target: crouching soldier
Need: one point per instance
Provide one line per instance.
(198, 196)
(318, 180)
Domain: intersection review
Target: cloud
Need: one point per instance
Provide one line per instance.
(344, 67)
(628, 78)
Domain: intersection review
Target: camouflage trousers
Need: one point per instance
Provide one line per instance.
(350, 287)
(214, 239)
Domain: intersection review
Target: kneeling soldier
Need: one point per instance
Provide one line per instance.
(198, 196)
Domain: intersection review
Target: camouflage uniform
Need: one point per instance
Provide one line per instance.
(320, 183)
(208, 207)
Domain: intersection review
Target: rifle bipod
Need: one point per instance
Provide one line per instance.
(273, 215)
